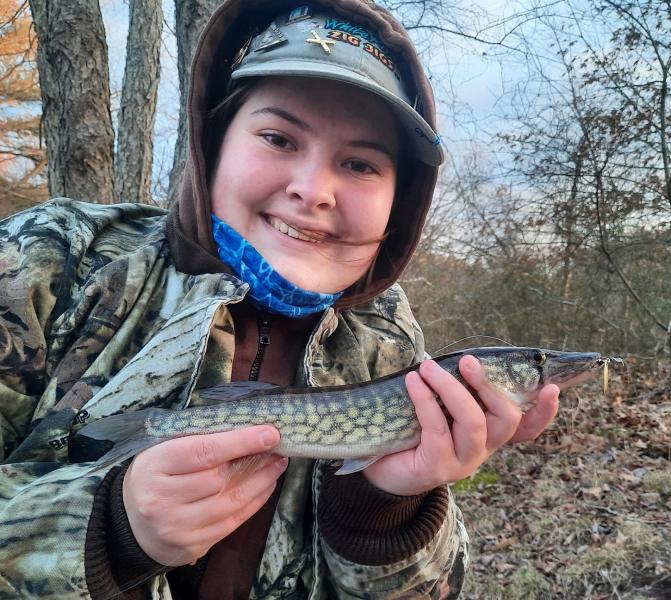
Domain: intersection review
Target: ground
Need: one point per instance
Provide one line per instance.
(585, 512)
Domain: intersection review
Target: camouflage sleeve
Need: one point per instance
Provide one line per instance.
(45, 501)
(44, 511)
(434, 570)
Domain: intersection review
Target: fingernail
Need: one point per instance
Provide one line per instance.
(471, 364)
(268, 439)
(434, 367)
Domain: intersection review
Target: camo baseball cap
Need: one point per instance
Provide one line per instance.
(312, 43)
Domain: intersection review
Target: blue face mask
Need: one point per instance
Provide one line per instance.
(268, 289)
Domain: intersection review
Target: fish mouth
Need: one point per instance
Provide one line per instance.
(565, 369)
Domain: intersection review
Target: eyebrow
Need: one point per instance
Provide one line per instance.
(374, 146)
(283, 114)
(293, 119)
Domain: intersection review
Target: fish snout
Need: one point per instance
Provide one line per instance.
(568, 368)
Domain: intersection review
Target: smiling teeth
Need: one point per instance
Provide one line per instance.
(290, 231)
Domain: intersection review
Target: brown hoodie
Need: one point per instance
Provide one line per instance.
(189, 224)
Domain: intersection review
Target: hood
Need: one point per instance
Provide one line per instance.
(229, 28)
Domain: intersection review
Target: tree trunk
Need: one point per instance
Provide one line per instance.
(190, 18)
(74, 79)
(135, 144)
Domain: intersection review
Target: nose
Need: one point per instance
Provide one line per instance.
(313, 182)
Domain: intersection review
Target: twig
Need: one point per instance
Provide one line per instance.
(610, 511)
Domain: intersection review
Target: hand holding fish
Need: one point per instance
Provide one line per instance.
(448, 452)
(181, 496)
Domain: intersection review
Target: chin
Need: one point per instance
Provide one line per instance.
(306, 283)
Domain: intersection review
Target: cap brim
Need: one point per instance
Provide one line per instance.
(424, 144)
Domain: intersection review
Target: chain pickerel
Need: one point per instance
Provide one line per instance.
(357, 423)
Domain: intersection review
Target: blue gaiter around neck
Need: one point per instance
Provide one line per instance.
(268, 289)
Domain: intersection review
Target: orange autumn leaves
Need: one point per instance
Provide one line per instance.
(22, 160)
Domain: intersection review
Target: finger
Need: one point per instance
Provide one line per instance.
(201, 452)
(210, 535)
(502, 414)
(469, 429)
(429, 413)
(176, 539)
(436, 449)
(494, 400)
(536, 420)
(432, 420)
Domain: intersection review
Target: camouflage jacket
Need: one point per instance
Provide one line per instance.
(95, 320)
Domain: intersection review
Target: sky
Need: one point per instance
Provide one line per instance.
(470, 78)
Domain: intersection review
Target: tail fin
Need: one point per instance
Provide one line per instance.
(128, 431)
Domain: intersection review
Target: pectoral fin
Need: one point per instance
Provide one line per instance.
(240, 468)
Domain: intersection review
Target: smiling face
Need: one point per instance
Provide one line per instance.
(306, 173)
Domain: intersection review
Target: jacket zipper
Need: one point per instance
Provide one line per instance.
(264, 340)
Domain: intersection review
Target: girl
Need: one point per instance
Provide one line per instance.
(312, 160)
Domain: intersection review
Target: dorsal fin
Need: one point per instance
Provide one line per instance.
(234, 390)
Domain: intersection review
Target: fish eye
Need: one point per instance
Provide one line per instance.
(539, 357)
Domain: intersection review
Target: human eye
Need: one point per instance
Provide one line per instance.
(360, 167)
(277, 139)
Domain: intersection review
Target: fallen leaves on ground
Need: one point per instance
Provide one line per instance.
(585, 511)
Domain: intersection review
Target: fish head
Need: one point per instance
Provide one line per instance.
(514, 371)
(521, 372)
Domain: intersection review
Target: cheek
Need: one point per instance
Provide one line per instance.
(247, 166)
(371, 216)
(246, 178)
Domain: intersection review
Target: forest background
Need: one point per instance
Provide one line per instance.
(551, 226)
